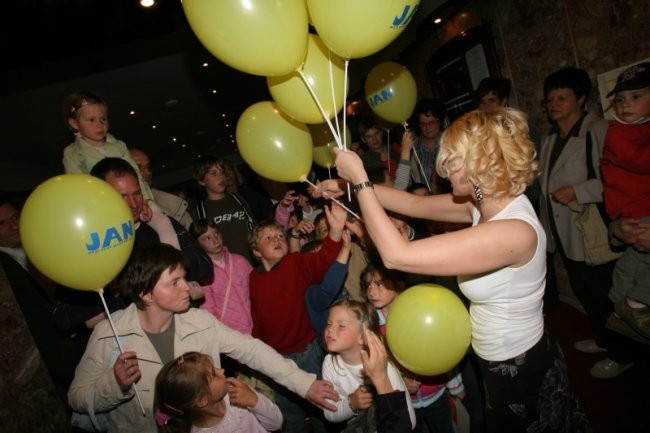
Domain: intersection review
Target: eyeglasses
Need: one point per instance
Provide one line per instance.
(368, 284)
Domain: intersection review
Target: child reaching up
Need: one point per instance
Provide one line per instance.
(86, 115)
(343, 365)
(194, 396)
(430, 394)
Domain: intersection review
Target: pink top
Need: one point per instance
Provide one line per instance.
(265, 416)
(227, 297)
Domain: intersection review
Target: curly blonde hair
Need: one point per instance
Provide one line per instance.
(494, 148)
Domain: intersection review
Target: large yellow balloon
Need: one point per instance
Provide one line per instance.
(260, 37)
(324, 143)
(325, 73)
(359, 28)
(77, 230)
(391, 92)
(273, 144)
(428, 329)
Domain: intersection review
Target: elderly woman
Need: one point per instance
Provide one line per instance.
(500, 262)
(565, 179)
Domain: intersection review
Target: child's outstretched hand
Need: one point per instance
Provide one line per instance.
(336, 218)
(360, 399)
(375, 363)
(327, 189)
(289, 198)
(240, 393)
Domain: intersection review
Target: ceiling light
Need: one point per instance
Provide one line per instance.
(437, 21)
(147, 3)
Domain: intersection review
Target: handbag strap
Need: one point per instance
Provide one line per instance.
(591, 171)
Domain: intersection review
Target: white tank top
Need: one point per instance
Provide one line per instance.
(506, 305)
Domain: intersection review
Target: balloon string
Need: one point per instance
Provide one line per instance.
(320, 108)
(350, 211)
(418, 161)
(345, 111)
(345, 106)
(338, 129)
(119, 345)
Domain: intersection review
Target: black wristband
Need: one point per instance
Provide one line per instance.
(363, 185)
(298, 236)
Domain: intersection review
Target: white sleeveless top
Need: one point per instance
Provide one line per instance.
(506, 305)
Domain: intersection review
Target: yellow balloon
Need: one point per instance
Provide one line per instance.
(324, 155)
(259, 37)
(359, 28)
(428, 329)
(324, 143)
(321, 135)
(325, 73)
(77, 230)
(273, 144)
(391, 92)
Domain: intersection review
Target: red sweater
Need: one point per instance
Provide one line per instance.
(280, 317)
(626, 170)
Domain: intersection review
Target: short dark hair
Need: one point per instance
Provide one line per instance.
(111, 165)
(144, 269)
(205, 163)
(498, 86)
(429, 107)
(200, 226)
(569, 78)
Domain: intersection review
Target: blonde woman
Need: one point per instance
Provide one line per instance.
(500, 262)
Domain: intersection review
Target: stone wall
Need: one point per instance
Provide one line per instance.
(534, 38)
(28, 402)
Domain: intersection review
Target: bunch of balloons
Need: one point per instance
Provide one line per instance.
(428, 329)
(306, 73)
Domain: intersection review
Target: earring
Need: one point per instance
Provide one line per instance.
(479, 194)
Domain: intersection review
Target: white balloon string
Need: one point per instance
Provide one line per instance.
(320, 108)
(345, 106)
(345, 110)
(350, 211)
(119, 345)
(336, 118)
(418, 161)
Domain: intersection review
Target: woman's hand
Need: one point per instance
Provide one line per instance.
(564, 195)
(350, 167)
(126, 370)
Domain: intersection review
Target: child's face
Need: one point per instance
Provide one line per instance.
(91, 122)
(343, 331)
(218, 385)
(214, 180)
(374, 139)
(211, 241)
(271, 245)
(380, 294)
(632, 105)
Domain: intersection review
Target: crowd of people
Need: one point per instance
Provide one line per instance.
(236, 312)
